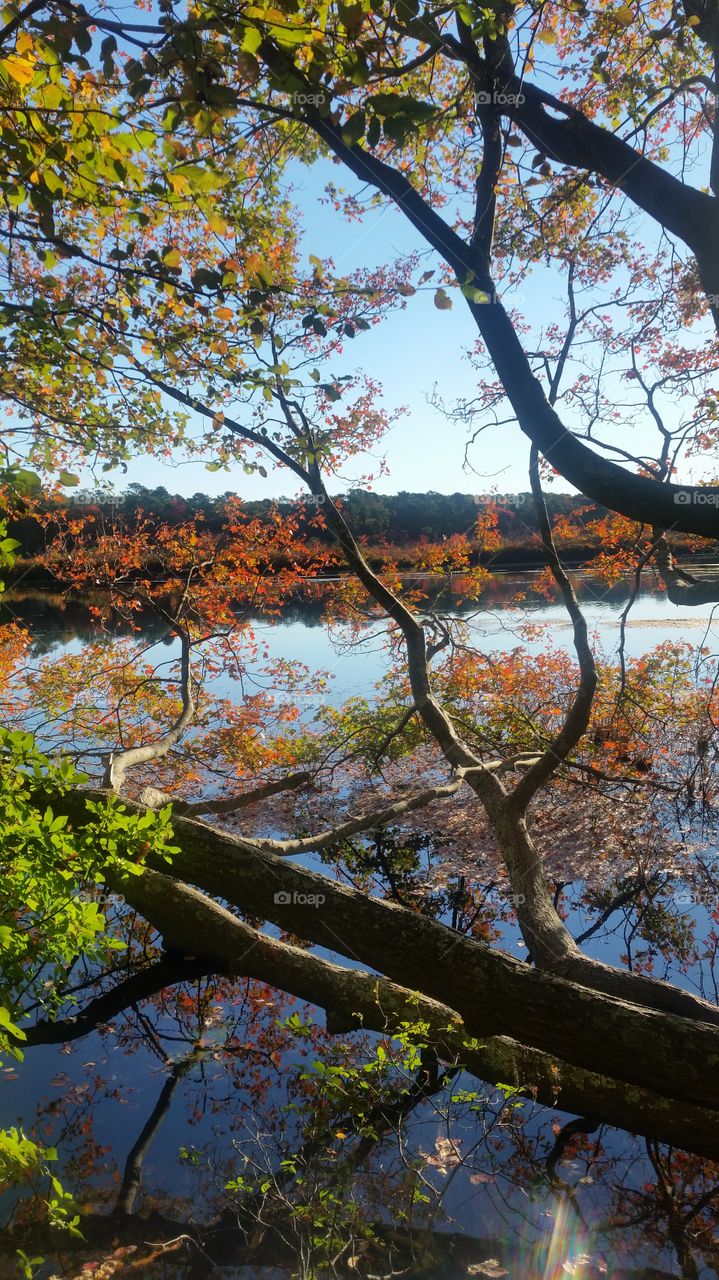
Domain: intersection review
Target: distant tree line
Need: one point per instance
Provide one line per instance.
(399, 519)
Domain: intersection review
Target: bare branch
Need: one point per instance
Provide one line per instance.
(367, 822)
(154, 799)
(120, 761)
(577, 717)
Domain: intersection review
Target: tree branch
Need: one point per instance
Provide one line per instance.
(120, 761)
(354, 1000)
(577, 717)
(154, 799)
(637, 497)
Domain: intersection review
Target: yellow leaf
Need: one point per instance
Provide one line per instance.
(19, 69)
(624, 15)
(255, 265)
(52, 96)
(547, 37)
(224, 313)
(217, 224)
(266, 14)
(172, 258)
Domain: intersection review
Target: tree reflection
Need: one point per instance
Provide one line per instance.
(264, 1145)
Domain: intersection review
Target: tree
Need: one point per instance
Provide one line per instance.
(391, 84)
(226, 345)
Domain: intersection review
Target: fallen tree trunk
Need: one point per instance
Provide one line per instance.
(673, 1056)
(354, 999)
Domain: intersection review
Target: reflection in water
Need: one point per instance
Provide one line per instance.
(210, 1125)
(213, 1126)
(59, 618)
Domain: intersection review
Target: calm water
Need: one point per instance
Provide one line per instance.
(92, 1097)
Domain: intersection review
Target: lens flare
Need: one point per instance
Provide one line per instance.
(568, 1247)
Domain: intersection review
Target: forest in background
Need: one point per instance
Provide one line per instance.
(497, 529)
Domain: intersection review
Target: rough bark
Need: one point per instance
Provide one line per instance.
(671, 1054)
(352, 999)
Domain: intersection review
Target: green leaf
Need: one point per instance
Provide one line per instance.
(374, 131)
(354, 128)
(83, 39)
(24, 481)
(107, 49)
(199, 178)
(474, 294)
(395, 104)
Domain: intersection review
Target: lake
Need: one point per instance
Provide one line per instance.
(491, 1170)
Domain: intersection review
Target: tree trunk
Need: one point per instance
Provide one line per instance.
(672, 1055)
(354, 999)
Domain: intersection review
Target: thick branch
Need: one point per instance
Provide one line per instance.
(569, 137)
(354, 999)
(637, 497)
(575, 140)
(540, 1009)
(140, 986)
(545, 934)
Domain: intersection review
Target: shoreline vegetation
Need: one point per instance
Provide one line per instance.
(431, 534)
